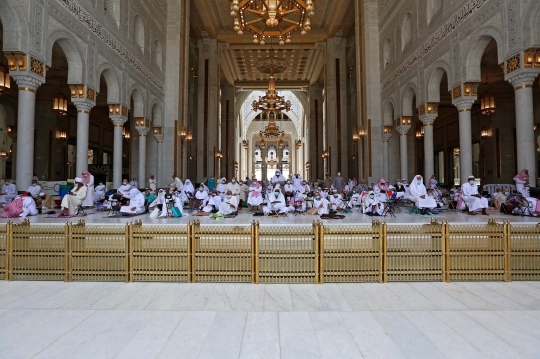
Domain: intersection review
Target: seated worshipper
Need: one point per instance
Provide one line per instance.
(336, 202)
(278, 179)
(522, 186)
(276, 203)
(200, 198)
(99, 192)
(124, 189)
(267, 195)
(34, 189)
(9, 192)
(234, 187)
(500, 198)
(187, 191)
(355, 198)
(372, 205)
(289, 189)
(149, 196)
(170, 199)
(75, 198)
(229, 204)
(419, 195)
(88, 180)
(399, 189)
(320, 205)
(222, 187)
(212, 205)
(44, 202)
(135, 204)
(177, 183)
(431, 194)
(244, 189)
(363, 186)
(324, 193)
(255, 197)
(134, 183)
(305, 189)
(471, 197)
(433, 182)
(381, 189)
(297, 202)
(158, 201)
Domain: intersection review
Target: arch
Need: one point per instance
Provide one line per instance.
(434, 82)
(135, 93)
(74, 55)
(158, 54)
(156, 114)
(14, 25)
(530, 31)
(475, 50)
(406, 30)
(411, 90)
(138, 32)
(388, 119)
(110, 75)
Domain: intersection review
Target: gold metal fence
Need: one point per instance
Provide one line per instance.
(414, 252)
(222, 253)
(160, 253)
(351, 253)
(287, 254)
(270, 254)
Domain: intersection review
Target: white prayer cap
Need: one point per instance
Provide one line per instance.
(471, 177)
(42, 194)
(78, 179)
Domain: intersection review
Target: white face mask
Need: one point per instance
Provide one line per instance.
(339, 174)
(399, 183)
(506, 193)
(371, 196)
(201, 189)
(278, 174)
(233, 181)
(276, 194)
(471, 182)
(419, 181)
(229, 196)
(223, 182)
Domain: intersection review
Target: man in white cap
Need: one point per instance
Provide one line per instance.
(72, 200)
(34, 189)
(470, 195)
(229, 204)
(419, 195)
(9, 192)
(276, 202)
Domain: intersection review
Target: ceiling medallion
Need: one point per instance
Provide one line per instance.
(271, 65)
(272, 18)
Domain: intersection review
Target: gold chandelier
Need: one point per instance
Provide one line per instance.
(272, 18)
(271, 102)
(272, 130)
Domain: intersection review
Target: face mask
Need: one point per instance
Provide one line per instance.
(371, 196)
(233, 181)
(305, 183)
(335, 196)
(278, 174)
(276, 194)
(229, 196)
(201, 189)
(399, 183)
(506, 193)
(254, 181)
(288, 182)
(34, 184)
(7, 182)
(419, 181)
(471, 182)
(213, 195)
(125, 183)
(318, 198)
(339, 174)
(223, 182)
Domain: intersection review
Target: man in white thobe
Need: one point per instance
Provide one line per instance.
(34, 189)
(234, 187)
(72, 200)
(255, 194)
(297, 182)
(88, 180)
(124, 189)
(278, 179)
(222, 187)
(9, 192)
(213, 203)
(470, 195)
(136, 203)
(99, 192)
(320, 205)
(372, 205)
(229, 204)
(177, 183)
(276, 203)
(336, 202)
(418, 194)
(29, 207)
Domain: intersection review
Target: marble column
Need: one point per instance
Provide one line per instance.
(465, 138)
(386, 157)
(429, 156)
(83, 132)
(28, 86)
(525, 139)
(118, 119)
(159, 174)
(142, 154)
(403, 153)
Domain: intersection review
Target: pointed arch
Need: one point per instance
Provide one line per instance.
(110, 74)
(475, 50)
(15, 26)
(73, 52)
(410, 92)
(439, 68)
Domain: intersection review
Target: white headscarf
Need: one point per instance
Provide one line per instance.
(188, 186)
(78, 179)
(134, 192)
(417, 189)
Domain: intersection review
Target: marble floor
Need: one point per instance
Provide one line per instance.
(245, 218)
(175, 320)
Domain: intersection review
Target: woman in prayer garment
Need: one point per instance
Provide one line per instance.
(372, 205)
(211, 184)
(88, 181)
(419, 195)
(152, 183)
(72, 200)
(187, 192)
(135, 205)
(222, 187)
(134, 183)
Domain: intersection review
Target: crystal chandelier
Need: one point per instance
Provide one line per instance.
(272, 18)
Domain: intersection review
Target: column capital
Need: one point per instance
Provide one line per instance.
(142, 125)
(83, 105)
(27, 82)
(386, 137)
(428, 119)
(522, 78)
(403, 124)
(118, 120)
(116, 109)
(465, 91)
(403, 130)
(431, 108)
(159, 138)
(464, 104)
(143, 131)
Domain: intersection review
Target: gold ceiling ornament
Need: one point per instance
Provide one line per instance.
(272, 65)
(272, 130)
(271, 102)
(272, 18)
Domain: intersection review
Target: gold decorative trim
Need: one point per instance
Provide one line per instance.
(428, 124)
(83, 111)
(512, 64)
(456, 92)
(522, 87)
(465, 110)
(27, 89)
(37, 67)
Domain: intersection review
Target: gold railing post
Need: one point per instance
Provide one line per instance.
(448, 257)
(320, 229)
(189, 251)
(129, 266)
(194, 229)
(444, 249)
(9, 251)
(383, 258)
(507, 252)
(256, 250)
(68, 277)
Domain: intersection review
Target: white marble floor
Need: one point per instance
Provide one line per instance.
(175, 320)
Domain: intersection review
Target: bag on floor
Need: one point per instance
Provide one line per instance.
(154, 214)
(177, 213)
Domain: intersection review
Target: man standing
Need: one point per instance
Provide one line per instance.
(470, 195)
(278, 178)
(339, 184)
(177, 183)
